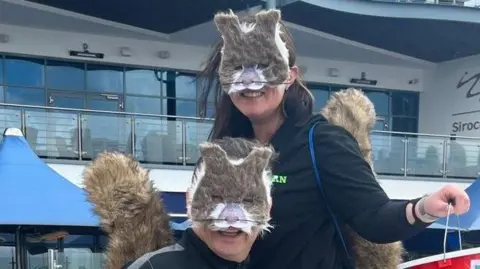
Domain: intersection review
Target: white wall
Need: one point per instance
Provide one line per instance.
(56, 44)
(175, 180)
(442, 105)
(168, 180)
(446, 110)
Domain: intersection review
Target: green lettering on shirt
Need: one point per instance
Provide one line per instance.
(279, 179)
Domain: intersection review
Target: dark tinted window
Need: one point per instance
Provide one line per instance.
(144, 82)
(210, 112)
(104, 79)
(338, 88)
(186, 108)
(405, 104)
(25, 96)
(65, 76)
(146, 105)
(24, 72)
(404, 124)
(381, 101)
(321, 96)
(185, 86)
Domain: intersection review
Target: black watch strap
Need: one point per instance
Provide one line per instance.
(424, 216)
(414, 203)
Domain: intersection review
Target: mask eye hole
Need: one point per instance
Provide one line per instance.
(217, 198)
(247, 200)
(262, 66)
(238, 68)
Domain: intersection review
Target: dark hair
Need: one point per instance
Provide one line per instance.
(229, 121)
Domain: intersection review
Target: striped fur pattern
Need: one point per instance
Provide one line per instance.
(352, 110)
(130, 209)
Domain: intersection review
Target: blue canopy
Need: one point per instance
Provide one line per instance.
(32, 193)
(469, 221)
(182, 226)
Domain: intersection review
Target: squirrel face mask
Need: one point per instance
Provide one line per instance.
(231, 193)
(253, 54)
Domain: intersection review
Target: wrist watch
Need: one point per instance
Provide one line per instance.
(424, 216)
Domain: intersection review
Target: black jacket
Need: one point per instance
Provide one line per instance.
(303, 236)
(189, 253)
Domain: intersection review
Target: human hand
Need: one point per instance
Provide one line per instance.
(436, 204)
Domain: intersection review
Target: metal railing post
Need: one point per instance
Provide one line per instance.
(184, 143)
(445, 158)
(132, 131)
(405, 156)
(23, 122)
(79, 136)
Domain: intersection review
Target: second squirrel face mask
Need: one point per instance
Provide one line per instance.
(253, 54)
(232, 193)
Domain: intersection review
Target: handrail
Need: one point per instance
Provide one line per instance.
(456, 3)
(199, 118)
(426, 134)
(103, 111)
(80, 134)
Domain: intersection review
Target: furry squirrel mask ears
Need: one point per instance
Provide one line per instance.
(230, 192)
(253, 53)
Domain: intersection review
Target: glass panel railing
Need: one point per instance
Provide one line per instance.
(462, 158)
(425, 156)
(471, 3)
(49, 133)
(9, 118)
(8, 258)
(103, 132)
(388, 154)
(196, 133)
(156, 139)
(80, 258)
(420, 155)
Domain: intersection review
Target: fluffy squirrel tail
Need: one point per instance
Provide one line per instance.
(131, 210)
(353, 111)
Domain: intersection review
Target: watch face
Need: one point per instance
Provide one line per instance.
(423, 214)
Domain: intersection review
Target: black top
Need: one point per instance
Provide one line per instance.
(304, 236)
(189, 253)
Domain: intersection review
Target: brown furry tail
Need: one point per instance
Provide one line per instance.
(352, 110)
(130, 209)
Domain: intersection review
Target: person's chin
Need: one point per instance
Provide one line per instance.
(255, 114)
(230, 246)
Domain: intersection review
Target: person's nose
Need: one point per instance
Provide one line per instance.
(232, 213)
